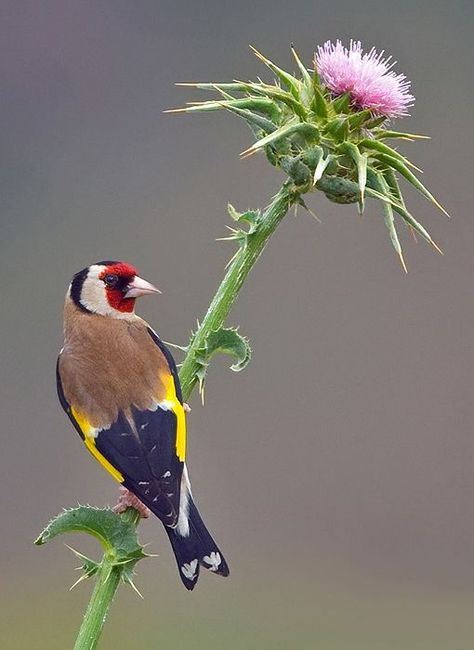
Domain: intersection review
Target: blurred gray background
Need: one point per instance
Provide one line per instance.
(337, 470)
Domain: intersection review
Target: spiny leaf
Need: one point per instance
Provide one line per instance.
(319, 104)
(380, 147)
(259, 104)
(304, 72)
(307, 88)
(411, 178)
(253, 119)
(305, 129)
(389, 219)
(117, 535)
(384, 133)
(372, 184)
(211, 85)
(278, 94)
(250, 217)
(227, 340)
(392, 182)
(286, 78)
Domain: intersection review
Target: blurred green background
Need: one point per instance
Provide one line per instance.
(337, 471)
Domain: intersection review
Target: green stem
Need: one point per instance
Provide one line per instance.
(109, 574)
(230, 286)
(108, 579)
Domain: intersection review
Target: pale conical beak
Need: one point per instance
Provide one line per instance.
(140, 287)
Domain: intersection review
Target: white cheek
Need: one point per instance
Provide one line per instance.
(94, 297)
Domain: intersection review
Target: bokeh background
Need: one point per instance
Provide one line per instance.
(337, 470)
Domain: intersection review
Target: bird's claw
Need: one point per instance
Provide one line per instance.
(186, 407)
(128, 500)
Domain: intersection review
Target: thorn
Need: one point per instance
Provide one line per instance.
(258, 54)
(201, 390)
(409, 163)
(78, 554)
(134, 587)
(313, 214)
(232, 259)
(417, 136)
(248, 152)
(191, 84)
(402, 261)
(78, 581)
(175, 110)
(438, 205)
(412, 230)
(436, 247)
(248, 155)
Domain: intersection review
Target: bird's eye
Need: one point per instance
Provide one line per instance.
(111, 279)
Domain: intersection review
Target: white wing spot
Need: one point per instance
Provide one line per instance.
(214, 559)
(167, 474)
(189, 569)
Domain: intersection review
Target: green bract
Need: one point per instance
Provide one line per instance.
(322, 142)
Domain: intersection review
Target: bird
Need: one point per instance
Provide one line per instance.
(118, 383)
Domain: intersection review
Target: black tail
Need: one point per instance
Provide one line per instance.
(195, 549)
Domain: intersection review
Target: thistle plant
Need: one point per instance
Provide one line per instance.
(327, 129)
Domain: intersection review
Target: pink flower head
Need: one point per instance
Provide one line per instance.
(367, 77)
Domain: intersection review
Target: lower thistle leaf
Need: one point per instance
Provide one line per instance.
(117, 535)
(227, 340)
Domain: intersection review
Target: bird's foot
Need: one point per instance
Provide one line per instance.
(187, 408)
(128, 500)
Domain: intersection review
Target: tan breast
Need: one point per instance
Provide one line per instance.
(108, 364)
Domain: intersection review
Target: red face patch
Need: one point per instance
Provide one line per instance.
(120, 274)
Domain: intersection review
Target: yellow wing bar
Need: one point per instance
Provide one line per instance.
(178, 410)
(89, 440)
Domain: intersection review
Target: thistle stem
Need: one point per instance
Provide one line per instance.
(108, 579)
(232, 283)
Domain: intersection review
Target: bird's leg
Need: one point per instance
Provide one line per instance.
(186, 407)
(128, 500)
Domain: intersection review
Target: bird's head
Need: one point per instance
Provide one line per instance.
(109, 288)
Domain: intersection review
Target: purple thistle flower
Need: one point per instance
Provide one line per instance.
(368, 78)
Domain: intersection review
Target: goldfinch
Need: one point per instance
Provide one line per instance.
(119, 386)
